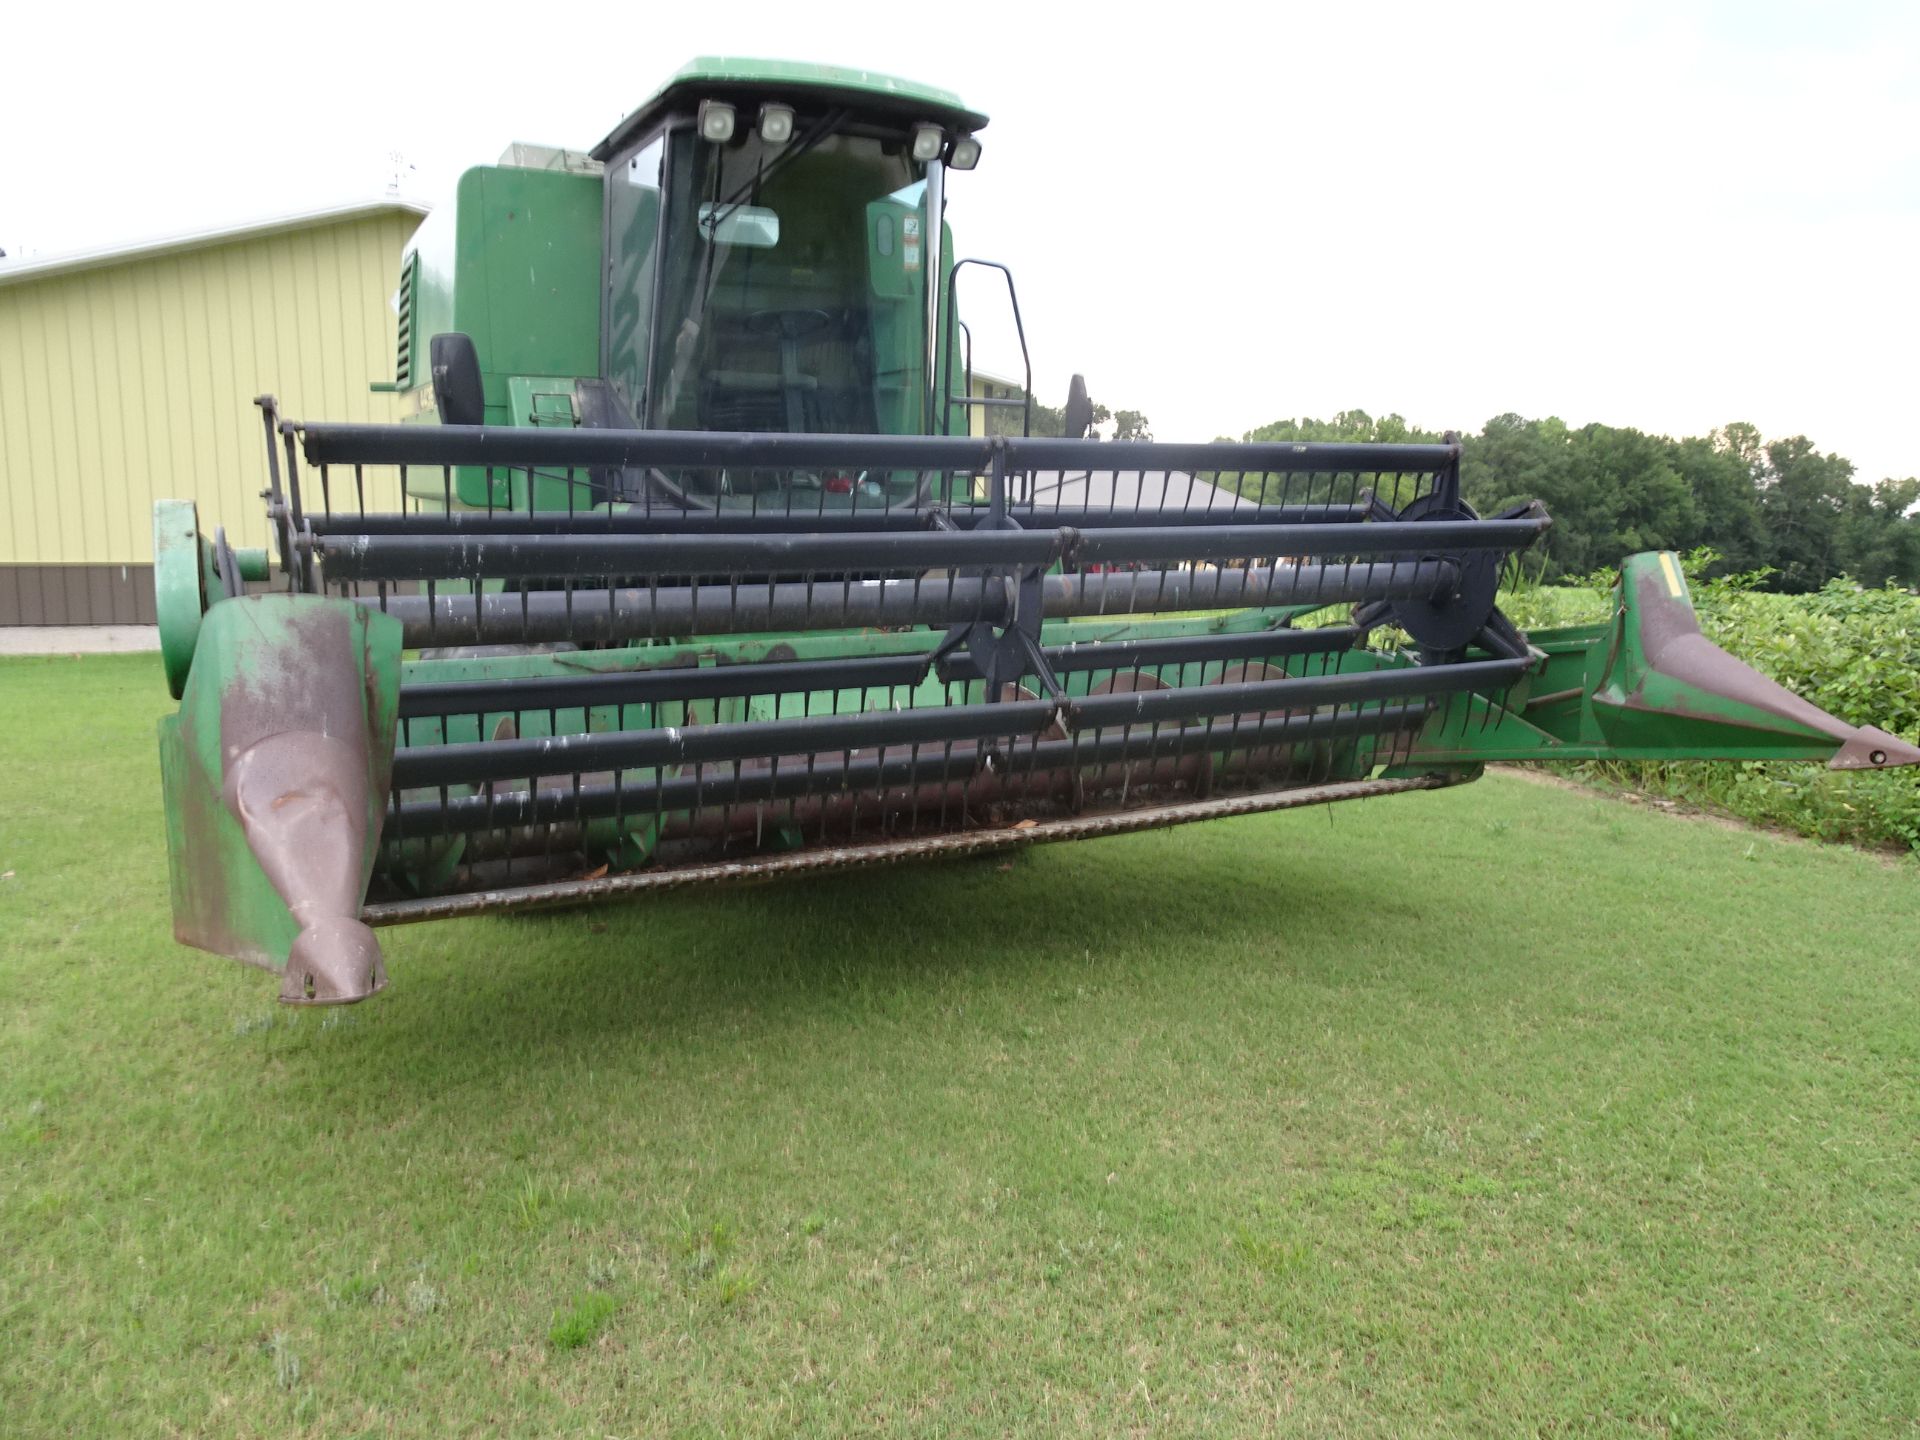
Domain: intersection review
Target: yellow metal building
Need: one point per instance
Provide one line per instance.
(128, 375)
(984, 386)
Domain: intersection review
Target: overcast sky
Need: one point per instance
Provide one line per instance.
(1667, 216)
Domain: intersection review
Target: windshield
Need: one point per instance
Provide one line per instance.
(790, 287)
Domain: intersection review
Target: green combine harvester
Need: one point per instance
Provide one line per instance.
(691, 567)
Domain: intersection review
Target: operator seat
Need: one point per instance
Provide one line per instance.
(741, 399)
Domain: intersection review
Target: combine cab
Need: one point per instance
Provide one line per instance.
(680, 575)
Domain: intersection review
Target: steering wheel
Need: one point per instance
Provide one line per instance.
(789, 324)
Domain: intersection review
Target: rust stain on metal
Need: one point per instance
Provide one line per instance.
(201, 903)
(877, 853)
(295, 757)
(301, 798)
(1675, 647)
(994, 785)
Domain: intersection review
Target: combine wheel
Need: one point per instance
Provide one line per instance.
(182, 586)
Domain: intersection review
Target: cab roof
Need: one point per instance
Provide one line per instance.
(718, 77)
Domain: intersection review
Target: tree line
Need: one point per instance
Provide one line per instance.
(1050, 420)
(1780, 506)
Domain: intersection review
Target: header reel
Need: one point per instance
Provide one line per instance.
(450, 709)
(1041, 639)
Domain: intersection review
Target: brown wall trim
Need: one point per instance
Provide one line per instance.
(76, 595)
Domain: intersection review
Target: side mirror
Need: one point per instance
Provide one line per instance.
(456, 380)
(1077, 419)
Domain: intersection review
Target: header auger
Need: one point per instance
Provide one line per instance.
(681, 576)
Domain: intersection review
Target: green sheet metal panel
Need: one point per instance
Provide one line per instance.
(531, 241)
(514, 263)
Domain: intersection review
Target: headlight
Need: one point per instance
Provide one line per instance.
(965, 153)
(776, 124)
(716, 121)
(928, 142)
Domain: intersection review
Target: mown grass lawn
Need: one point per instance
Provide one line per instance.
(1497, 1111)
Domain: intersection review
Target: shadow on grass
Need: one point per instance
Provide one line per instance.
(498, 995)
